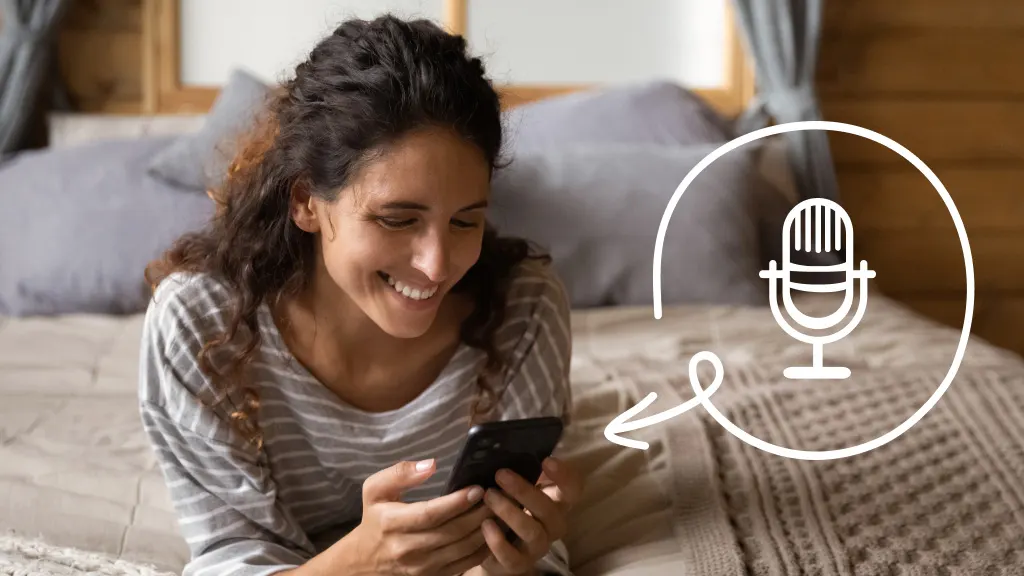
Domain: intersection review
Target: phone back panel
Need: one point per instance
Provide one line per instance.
(519, 445)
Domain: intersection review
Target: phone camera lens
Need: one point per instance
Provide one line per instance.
(479, 454)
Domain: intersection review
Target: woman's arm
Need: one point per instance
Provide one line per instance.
(537, 381)
(223, 493)
(228, 520)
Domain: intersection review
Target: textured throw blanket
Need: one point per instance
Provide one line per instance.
(30, 557)
(946, 497)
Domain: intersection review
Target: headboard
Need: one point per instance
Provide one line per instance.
(164, 93)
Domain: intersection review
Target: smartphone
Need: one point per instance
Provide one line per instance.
(518, 445)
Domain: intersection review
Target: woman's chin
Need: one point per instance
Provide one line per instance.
(399, 327)
(406, 318)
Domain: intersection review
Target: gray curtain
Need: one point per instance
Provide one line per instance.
(27, 40)
(782, 36)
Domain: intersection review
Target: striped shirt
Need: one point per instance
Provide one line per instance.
(248, 513)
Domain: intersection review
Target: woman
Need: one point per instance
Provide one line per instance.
(312, 361)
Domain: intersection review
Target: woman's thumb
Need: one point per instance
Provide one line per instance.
(388, 484)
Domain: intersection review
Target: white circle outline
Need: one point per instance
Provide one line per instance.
(968, 264)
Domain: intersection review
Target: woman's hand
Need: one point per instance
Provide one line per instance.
(544, 520)
(439, 537)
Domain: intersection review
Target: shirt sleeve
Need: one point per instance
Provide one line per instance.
(221, 490)
(537, 380)
(537, 337)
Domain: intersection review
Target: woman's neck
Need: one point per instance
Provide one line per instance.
(350, 354)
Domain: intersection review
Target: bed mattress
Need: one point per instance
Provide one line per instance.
(76, 471)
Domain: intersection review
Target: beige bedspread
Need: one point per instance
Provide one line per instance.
(75, 468)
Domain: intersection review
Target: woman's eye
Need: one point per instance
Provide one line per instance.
(395, 224)
(464, 224)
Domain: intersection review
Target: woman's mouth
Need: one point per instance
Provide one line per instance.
(407, 291)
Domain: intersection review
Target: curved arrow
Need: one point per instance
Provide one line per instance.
(621, 422)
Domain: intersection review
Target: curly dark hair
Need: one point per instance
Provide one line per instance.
(360, 89)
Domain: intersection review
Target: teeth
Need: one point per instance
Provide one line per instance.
(410, 292)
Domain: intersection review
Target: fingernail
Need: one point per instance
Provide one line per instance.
(424, 465)
(503, 476)
(491, 497)
(475, 493)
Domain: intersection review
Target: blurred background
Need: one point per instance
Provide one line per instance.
(935, 75)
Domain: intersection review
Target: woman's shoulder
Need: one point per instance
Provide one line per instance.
(186, 312)
(194, 289)
(187, 309)
(537, 331)
(536, 284)
(536, 300)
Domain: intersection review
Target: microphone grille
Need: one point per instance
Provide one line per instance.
(818, 225)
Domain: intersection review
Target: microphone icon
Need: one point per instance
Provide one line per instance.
(819, 236)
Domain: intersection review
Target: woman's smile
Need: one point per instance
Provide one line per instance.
(413, 298)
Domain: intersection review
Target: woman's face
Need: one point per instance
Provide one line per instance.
(405, 230)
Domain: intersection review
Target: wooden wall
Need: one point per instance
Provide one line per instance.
(938, 76)
(100, 54)
(942, 78)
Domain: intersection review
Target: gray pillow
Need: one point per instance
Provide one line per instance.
(80, 224)
(596, 209)
(655, 112)
(198, 161)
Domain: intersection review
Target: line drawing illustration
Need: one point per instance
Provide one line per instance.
(623, 423)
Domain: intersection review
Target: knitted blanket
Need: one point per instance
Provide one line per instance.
(945, 497)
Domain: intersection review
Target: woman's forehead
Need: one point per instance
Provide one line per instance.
(438, 173)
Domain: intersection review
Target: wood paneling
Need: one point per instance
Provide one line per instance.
(99, 55)
(922, 62)
(102, 70)
(942, 130)
(941, 78)
(930, 261)
(109, 15)
(847, 16)
(903, 199)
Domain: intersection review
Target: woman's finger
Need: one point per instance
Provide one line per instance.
(466, 547)
(462, 566)
(566, 478)
(429, 514)
(538, 503)
(451, 531)
(529, 529)
(510, 557)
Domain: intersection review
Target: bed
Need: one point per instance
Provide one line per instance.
(80, 491)
(76, 471)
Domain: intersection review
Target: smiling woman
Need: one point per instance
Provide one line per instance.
(350, 311)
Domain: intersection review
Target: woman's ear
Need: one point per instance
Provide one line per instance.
(303, 208)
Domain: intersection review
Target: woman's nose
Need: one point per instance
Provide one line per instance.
(431, 257)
